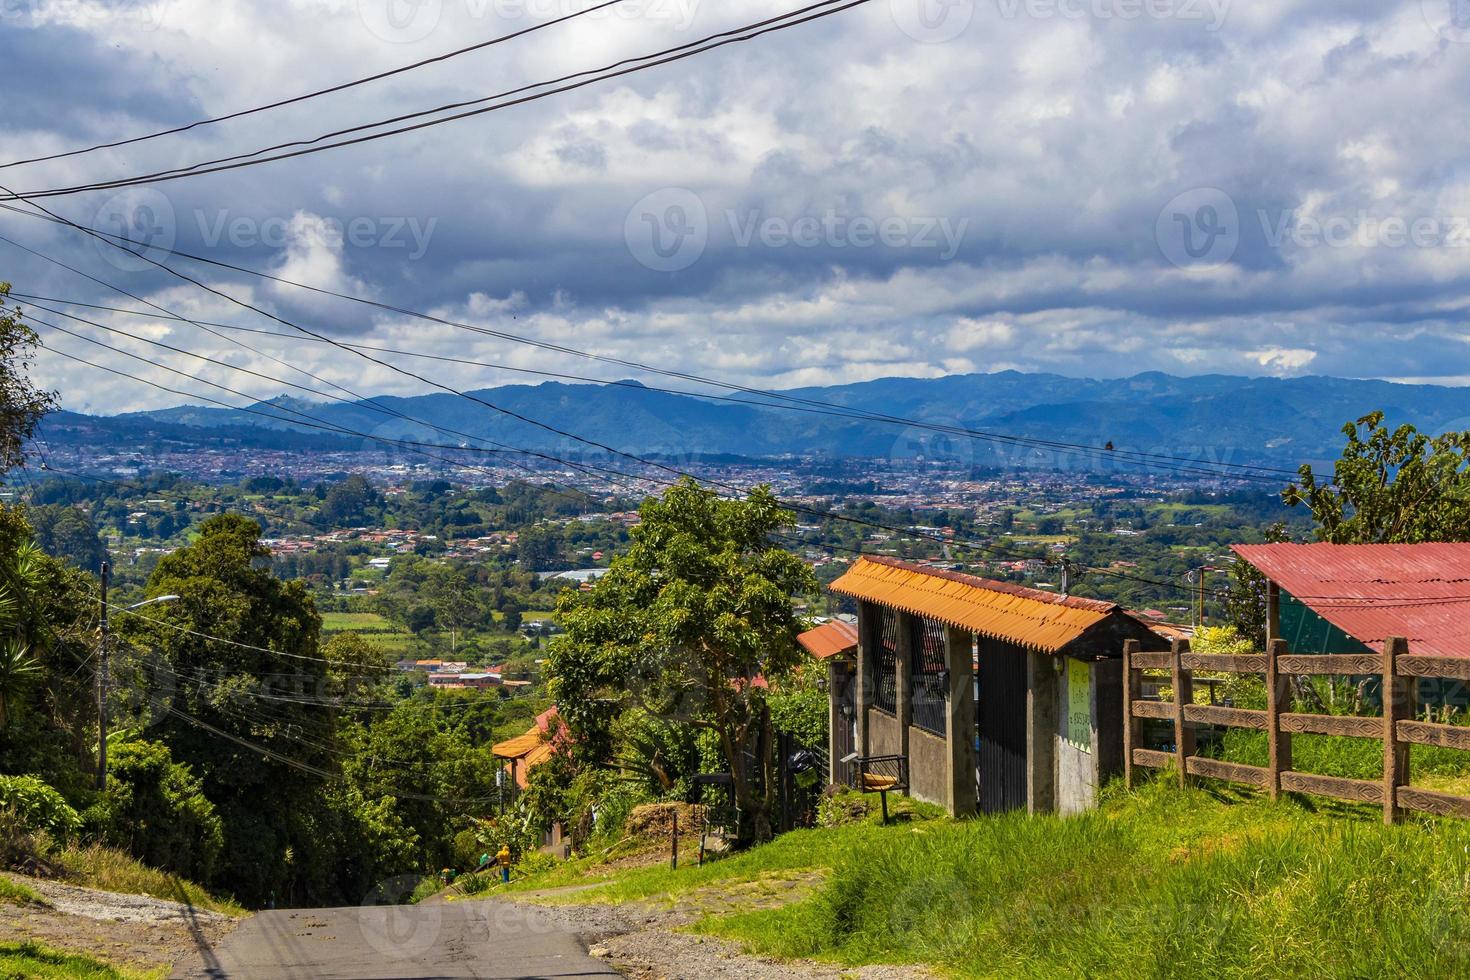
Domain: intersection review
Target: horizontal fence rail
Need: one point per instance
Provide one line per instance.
(1396, 729)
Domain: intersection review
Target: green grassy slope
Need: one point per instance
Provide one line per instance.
(1209, 882)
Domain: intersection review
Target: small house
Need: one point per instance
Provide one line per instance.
(997, 697)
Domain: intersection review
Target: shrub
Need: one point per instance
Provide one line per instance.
(156, 810)
(38, 807)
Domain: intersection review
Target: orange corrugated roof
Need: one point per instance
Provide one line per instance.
(514, 748)
(1032, 618)
(829, 639)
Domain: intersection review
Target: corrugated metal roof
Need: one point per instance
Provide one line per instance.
(514, 748)
(829, 639)
(1374, 591)
(1032, 618)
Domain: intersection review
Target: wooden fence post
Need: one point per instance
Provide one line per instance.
(1132, 691)
(1278, 698)
(1183, 694)
(1398, 705)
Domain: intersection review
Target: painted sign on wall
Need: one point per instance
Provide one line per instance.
(1079, 704)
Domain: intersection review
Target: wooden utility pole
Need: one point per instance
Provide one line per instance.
(102, 686)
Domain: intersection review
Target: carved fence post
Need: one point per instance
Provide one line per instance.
(1398, 705)
(1132, 691)
(1183, 695)
(1278, 697)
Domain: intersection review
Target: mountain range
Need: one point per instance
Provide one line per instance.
(1212, 418)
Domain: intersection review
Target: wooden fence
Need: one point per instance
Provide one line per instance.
(1397, 728)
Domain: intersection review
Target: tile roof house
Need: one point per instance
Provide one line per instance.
(539, 743)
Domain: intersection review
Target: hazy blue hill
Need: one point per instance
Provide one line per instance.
(1214, 417)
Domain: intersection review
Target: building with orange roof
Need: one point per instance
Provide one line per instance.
(527, 751)
(994, 696)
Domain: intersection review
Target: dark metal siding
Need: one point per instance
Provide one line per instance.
(1001, 723)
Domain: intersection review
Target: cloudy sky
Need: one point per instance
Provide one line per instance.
(910, 187)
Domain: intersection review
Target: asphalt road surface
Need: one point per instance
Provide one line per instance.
(442, 939)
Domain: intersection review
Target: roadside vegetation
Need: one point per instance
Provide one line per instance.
(44, 963)
(1160, 882)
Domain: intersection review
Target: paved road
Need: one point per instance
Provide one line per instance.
(454, 939)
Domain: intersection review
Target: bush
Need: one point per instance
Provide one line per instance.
(38, 808)
(156, 810)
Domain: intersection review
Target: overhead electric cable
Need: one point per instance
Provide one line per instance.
(240, 113)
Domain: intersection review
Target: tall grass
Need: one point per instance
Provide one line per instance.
(29, 959)
(109, 870)
(1157, 883)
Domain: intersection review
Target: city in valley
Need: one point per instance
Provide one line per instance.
(895, 489)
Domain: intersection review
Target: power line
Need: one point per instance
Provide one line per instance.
(1162, 461)
(362, 399)
(305, 766)
(668, 55)
(314, 94)
(804, 405)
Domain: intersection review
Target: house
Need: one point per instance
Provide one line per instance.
(1350, 598)
(998, 697)
(538, 744)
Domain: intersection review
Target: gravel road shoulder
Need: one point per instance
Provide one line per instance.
(645, 940)
(134, 931)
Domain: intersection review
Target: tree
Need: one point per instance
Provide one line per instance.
(18, 668)
(348, 502)
(1395, 486)
(22, 404)
(156, 809)
(245, 714)
(69, 534)
(691, 624)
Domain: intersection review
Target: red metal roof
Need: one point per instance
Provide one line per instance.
(829, 639)
(1374, 591)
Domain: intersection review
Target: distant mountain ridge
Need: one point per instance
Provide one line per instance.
(1216, 418)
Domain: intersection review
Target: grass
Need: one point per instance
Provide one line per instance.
(1161, 882)
(16, 893)
(1210, 881)
(113, 871)
(29, 959)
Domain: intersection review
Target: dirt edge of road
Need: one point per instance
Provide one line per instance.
(135, 932)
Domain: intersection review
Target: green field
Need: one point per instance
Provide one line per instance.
(363, 622)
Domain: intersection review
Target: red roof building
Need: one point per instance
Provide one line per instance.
(1366, 593)
(829, 640)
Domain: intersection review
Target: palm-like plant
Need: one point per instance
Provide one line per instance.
(17, 622)
(17, 667)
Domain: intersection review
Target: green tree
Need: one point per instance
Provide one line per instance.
(22, 404)
(350, 501)
(246, 714)
(1391, 486)
(690, 625)
(69, 534)
(155, 808)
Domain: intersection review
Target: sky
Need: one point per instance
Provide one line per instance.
(909, 187)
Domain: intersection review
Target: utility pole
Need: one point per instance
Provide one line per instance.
(102, 688)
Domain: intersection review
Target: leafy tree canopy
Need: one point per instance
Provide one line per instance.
(690, 625)
(1391, 486)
